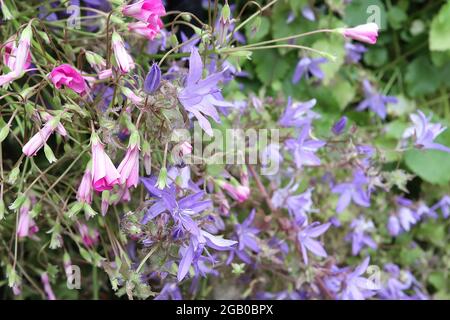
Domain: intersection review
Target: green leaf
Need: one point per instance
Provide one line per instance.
(432, 166)
(440, 30)
(422, 77)
(334, 46)
(262, 31)
(376, 56)
(396, 17)
(270, 66)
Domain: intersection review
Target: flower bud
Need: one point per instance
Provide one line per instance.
(339, 126)
(153, 79)
(13, 174)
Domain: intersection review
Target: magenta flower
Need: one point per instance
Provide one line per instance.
(148, 11)
(68, 76)
(367, 33)
(201, 96)
(40, 138)
(123, 59)
(238, 192)
(307, 243)
(129, 167)
(84, 193)
(424, 132)
(104, 173)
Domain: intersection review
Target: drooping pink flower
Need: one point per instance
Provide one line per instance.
(18, 59)
(124, 60)
(148, 30)
(47, 287)
(148, 11)
(133, 97)
(104, 173)
(10, 54)
(68, 76)
(89, 236)
(367, 33)
(84, 193)
(40, 138)
(129, 167)
(105, 74)
(26, 227)
(238, 192)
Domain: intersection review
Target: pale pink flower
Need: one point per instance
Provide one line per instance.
(124, 60)
(47, 287)
(129, 167)
(68, 76)
(132, 96)
(104, 173)
(148, 11)
(365, 33)
(10, 53)
(89, 236)
(18, 59)
(40, 138)
(239, 193)
(84, 193)
(105, 74)
(26, 227)
(148, 30)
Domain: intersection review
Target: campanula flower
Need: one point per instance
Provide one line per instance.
(360, 236)
(307, 66)
(398, 283)
(355, 191)
(298, 205)
(306, 240)
(354, 52)
(367, 33)
(308, 13)
(170, 291)
(201, 96)
(68, 76)
(443, 205)
(424, 132)
(304, 148)
(104, 173)
(247, 234)
(298, 114)
(374, 100)
(357, 287)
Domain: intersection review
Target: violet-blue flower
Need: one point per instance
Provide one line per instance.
(354, 52)
(201, 96)
(355, 191)
(305, 238)
(360, 236)
(375, 101)
(424, 132)
(304, 148)
(298, 114)
(307, 66)
(357, 287)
